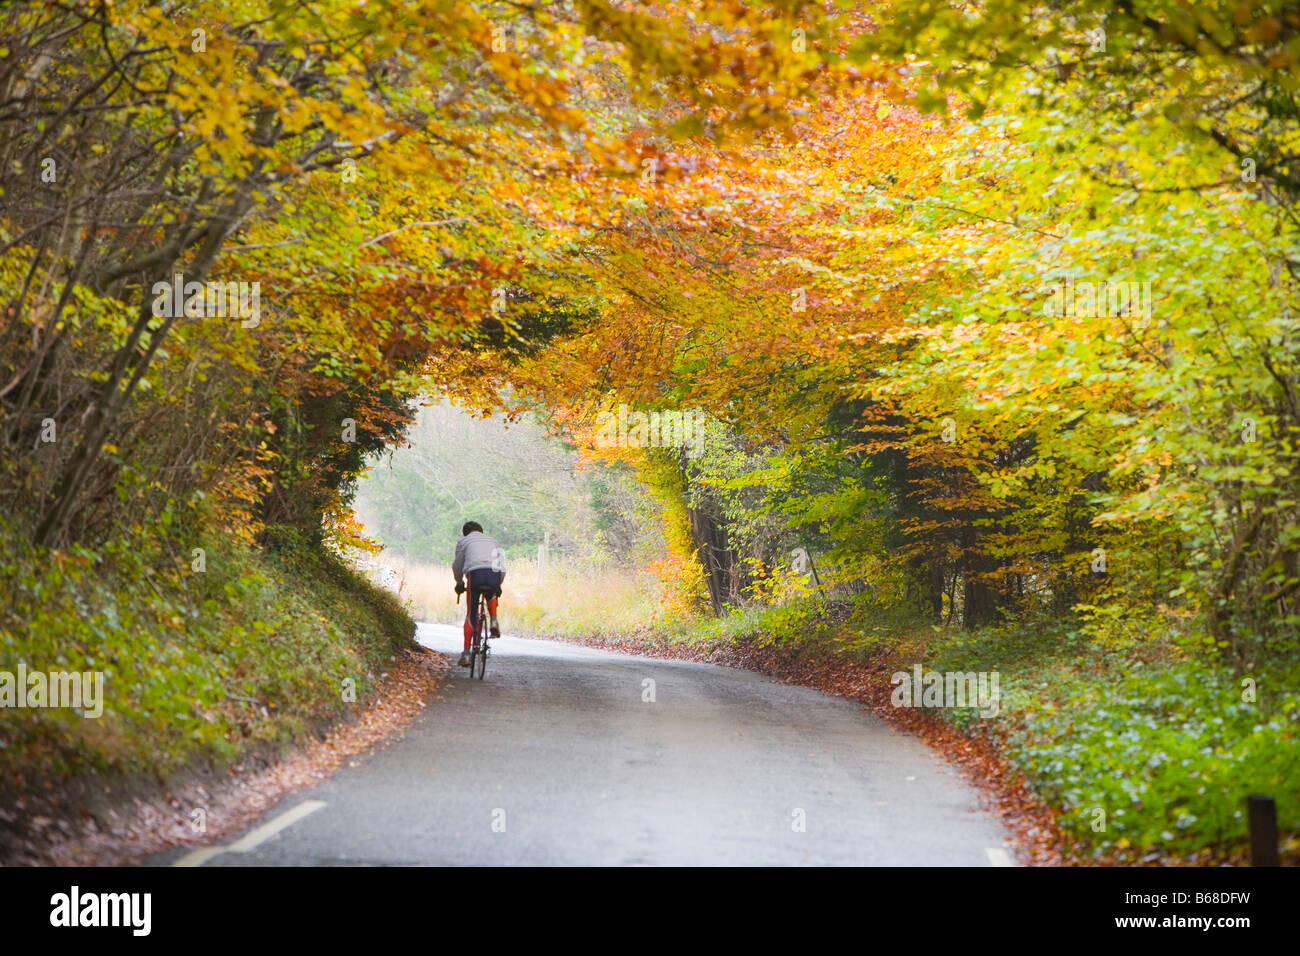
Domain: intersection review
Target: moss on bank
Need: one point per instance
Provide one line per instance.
(260, 646)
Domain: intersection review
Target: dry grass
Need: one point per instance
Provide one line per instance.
(427, 590)
(576, 599)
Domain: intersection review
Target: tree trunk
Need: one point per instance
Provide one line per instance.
(718, 559)
(115, 395)
(978, 602)
(935, 588)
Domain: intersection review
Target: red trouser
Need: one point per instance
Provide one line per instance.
(469, 626)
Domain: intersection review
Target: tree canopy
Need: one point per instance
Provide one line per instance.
(992, 307)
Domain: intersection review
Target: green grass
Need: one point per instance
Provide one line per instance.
(1162, 755)
(1148, 747)
(254, 650)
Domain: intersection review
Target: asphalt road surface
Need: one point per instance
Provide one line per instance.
(560, 757)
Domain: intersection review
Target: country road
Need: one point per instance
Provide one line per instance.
(556, 758)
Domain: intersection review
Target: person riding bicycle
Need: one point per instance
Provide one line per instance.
(480, 559)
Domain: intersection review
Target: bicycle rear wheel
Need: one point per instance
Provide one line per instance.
(478, 658)
(482, 653)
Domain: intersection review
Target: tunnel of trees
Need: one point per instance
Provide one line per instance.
(990, 316)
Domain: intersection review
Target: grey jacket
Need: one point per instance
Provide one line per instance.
(477, 550)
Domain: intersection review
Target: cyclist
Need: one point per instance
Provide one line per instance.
(480, 559)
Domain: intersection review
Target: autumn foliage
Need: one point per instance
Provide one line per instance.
(991, 312)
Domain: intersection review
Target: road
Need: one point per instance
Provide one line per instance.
(559, 757)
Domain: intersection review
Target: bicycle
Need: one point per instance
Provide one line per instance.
(479, 649)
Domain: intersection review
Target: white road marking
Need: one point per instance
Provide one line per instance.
(255, 838)
(999, 857)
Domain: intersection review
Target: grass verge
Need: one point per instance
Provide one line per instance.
(240, 650)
